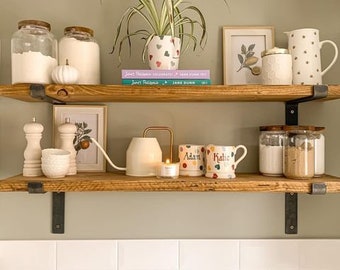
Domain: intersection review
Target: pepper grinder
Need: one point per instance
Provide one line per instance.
(67, 133)
(32, 153)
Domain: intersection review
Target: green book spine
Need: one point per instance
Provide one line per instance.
(166, 82)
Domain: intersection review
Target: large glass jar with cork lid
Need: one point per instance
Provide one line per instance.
(299, 152)
(33, 52)
(80, 49)
(271, 150)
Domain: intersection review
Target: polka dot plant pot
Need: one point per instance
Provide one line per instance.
(164, 52)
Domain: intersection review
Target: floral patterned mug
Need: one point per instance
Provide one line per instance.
(221, 161)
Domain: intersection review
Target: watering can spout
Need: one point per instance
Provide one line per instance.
(106, 156)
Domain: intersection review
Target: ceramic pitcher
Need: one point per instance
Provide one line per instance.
(305, 47)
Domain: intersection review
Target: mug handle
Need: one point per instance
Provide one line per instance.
(243, 155)
(335, 55)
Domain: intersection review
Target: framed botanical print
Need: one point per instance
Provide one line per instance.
(242, 48)
(91, 123)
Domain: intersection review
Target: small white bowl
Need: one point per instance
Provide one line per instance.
(55, 152)
(55, 171)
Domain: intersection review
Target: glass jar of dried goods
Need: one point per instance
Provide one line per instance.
(271, 150)
(299, 152)
(319, 151)
(80, 49)
(33, 52)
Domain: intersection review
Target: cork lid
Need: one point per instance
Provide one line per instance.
(34, 22)
(298, 128)
(72, 29)
(272, 128)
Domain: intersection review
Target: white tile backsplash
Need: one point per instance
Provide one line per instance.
(27, 255)
(87, 255)
(319, 254)
(182, 254)
(209, 254)
(269, 254)
(148, 255)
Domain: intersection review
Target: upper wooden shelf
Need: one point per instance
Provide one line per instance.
(120, 182)
(126, 93)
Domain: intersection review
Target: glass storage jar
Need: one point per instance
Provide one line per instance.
(33, 52)
(80, 48)
(319, 151)
(299, 152)
(271, 150)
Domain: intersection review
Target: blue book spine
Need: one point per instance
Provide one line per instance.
(166, 82)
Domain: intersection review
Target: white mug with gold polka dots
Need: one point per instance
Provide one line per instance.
(304, 46)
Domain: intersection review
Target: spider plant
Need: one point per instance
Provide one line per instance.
(161, 17)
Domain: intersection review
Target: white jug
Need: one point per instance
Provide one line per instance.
(304, 46)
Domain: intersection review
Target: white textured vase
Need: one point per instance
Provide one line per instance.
(164, 52)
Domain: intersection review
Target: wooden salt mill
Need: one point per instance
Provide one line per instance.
(67, 133)
(32, 153)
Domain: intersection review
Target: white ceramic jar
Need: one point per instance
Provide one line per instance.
(82, 51)
(276, 67)
(33, 52)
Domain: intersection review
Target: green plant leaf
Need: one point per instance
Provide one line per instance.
(243, 49)
(250, 54)
(251, 47)
(170, 17)
(240, 58)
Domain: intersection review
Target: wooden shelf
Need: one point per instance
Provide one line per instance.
(119, 182)
(126, 93)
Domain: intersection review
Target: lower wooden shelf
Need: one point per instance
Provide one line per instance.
(119, 182)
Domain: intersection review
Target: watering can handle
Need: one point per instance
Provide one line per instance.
(106, 156)
(162, 128)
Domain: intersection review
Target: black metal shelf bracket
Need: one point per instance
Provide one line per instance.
(38, 91)
(291, 199)
(58, 212)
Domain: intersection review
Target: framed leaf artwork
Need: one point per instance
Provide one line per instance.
(242, 48)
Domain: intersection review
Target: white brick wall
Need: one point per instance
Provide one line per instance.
(219, 254)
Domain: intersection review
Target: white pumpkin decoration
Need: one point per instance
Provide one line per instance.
(65, 74)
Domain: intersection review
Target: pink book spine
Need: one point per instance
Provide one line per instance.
(165, 74)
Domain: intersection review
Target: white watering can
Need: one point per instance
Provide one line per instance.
(143, 154)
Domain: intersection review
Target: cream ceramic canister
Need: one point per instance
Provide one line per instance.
(305, 47)
(164, 52)
(276, 66)
(221, 160)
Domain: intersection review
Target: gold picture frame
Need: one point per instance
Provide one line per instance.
(242, 47)
(91, 121)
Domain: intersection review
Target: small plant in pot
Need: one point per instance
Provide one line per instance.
(171, 27)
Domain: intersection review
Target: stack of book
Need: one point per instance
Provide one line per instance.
(165, 77)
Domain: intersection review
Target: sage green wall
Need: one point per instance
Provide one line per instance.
(170, 215)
